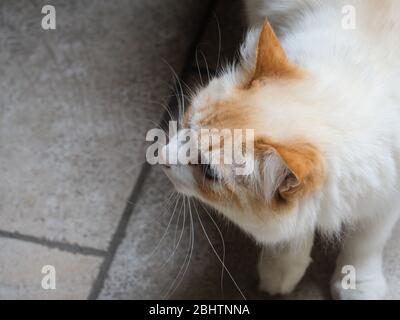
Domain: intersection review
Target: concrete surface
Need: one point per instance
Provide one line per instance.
(154, 255)
(21, 271)
(75, 105)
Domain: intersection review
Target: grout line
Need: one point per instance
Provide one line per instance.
(67, 247)
(134, 197)
(119, 234)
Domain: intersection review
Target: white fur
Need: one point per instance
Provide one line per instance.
(350, 108)
(358, 129)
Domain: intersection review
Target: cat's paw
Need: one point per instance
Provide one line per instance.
(280, 277)
(371, 289)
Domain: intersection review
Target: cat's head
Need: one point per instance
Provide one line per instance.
(264, 93)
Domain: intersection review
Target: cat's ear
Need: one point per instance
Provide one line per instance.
(271, 58)
(287, 171)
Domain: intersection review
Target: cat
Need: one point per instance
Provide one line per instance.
(324, 104)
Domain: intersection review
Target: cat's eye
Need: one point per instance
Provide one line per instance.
(209, 172)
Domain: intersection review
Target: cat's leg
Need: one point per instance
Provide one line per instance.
(362, 249)
(281, 268)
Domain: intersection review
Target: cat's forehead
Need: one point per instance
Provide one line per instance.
(221, 105)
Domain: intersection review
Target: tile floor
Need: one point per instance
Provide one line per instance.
(75, 105)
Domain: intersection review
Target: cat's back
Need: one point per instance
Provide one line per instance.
(373, 23)
(359, 59)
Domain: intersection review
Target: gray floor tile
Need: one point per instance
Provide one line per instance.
(75, 105)
(21, 271)
(392, 264)
(139, 272)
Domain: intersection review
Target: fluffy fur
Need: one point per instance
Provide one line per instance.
(325, 106)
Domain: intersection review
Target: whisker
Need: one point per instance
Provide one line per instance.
(176, 244)
(218, 257)
(166, 231)
(219, 39)
(223, 246)
(198, 67)
(191, 242)
(174, 196)
(173, 286)
(179, 83)
(164, 106)
(206, 63)
(177, 223)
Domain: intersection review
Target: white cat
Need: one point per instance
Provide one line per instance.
(324, 103)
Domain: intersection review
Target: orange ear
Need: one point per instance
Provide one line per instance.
(271, 58)
(288, 169)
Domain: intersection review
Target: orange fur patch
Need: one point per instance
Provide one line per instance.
(237, 112)
(303, 159)
(227, 114)
(271, 58)
(208, 193)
